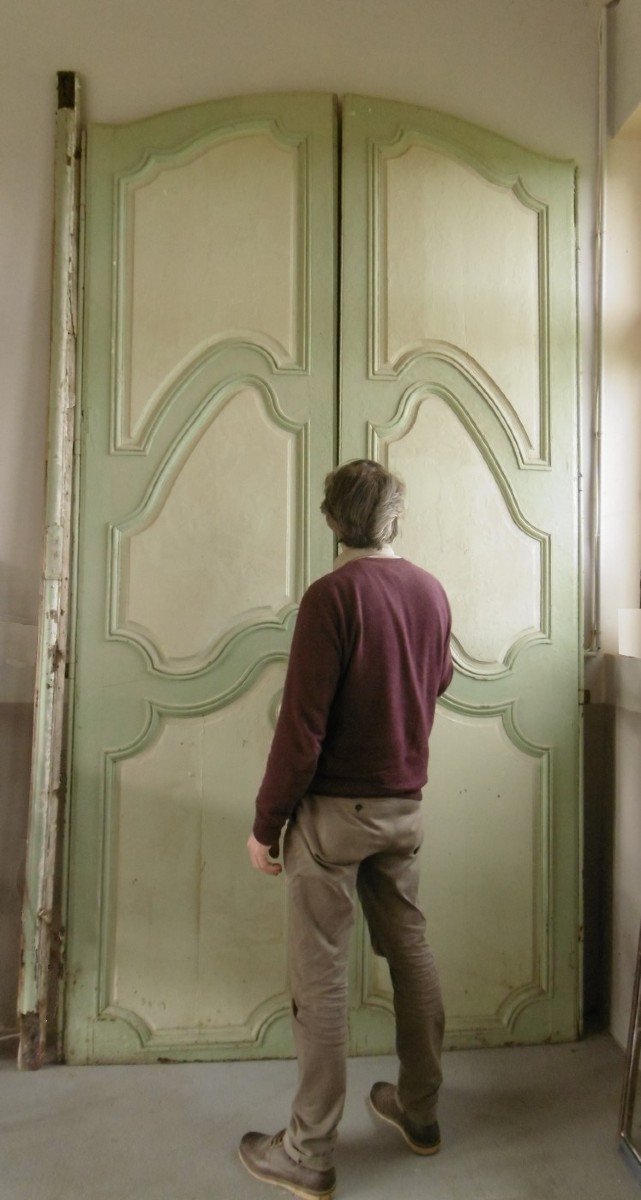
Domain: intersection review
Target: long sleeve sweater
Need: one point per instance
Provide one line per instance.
(369, 656)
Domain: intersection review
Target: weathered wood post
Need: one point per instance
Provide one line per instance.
(53, 625)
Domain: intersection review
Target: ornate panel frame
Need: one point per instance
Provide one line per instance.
(378, 153)
(125, 185)
(212, 405)
(171, 1043)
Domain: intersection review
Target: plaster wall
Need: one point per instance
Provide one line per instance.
(624, 38)
(621, 427)
(621, 548)
(525, 68)
(626, 898)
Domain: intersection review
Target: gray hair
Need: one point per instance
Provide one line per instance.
(365, 501)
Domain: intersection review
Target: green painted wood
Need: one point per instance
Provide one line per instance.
(525, 705)
(517, 712)
(127, 695)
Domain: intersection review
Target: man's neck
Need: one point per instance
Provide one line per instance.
(350, 553)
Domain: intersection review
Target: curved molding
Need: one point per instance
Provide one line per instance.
(511, 181)
(142, 1029)
(503, 709)
(506, 1016)
(186, 373)
(462, 149)
(152, 727)
(516, 1003)
(148, 168)
(251, 1032)
(174, 460)
(379, 438)
(222, 651)
(203, 708)
(477, 669)
(467, 366)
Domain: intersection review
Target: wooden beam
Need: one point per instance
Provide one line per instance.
(45, 788)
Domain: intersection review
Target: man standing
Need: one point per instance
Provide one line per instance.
(369, 657)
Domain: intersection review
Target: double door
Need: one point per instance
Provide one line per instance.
(259, 305)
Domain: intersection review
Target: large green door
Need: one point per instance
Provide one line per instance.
(208, 426)
(458, 370)
(209, 420)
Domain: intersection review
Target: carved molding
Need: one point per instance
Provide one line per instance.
(153, 162)
(177, 455)
(380, 152)
(429, 351)
(185, 377)
(173, 1041)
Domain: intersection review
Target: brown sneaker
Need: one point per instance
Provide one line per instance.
(422, 1139)
(266, 1158)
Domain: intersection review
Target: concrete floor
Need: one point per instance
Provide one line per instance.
(535, 1123)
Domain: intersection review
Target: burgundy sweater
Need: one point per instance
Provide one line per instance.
(369, 656)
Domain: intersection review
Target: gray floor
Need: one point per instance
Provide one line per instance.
(525, 1124)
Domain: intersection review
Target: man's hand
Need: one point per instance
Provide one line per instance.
(261, 856)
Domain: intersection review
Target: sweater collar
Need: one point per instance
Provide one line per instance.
(351, 553)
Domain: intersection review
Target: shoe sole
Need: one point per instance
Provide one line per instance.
(301, 1192)
(423, 1150)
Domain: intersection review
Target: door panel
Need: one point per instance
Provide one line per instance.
(208, 423)
(458, 371)
(226, 210)
(202, 555)
(215, 960)
(460, 270)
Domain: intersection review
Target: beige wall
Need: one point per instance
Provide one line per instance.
(620, 677)
(621, 443)
(526, 69)
(626, 899)
(624, 36)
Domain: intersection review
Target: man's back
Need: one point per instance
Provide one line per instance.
(395, 663)
(370, 655)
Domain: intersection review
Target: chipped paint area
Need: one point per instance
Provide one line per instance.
(37, 917)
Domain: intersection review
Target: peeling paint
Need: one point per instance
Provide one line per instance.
(39, 971)
(31, 1049)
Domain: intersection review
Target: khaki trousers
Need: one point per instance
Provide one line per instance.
(334, 848)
